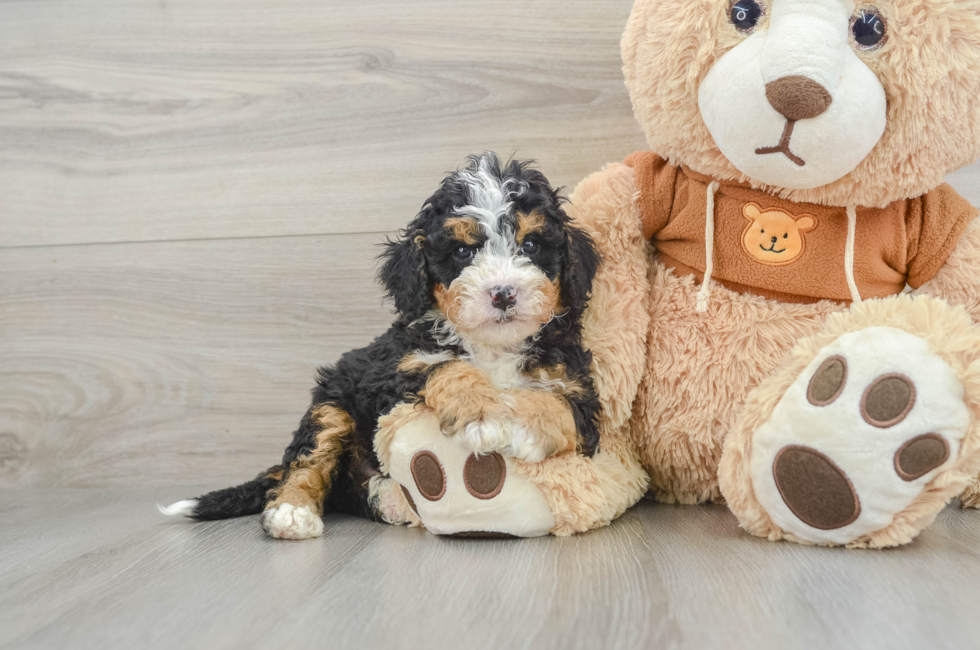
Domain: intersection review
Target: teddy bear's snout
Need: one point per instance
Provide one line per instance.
(797, 97)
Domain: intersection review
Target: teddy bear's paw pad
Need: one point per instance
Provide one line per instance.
(858, 436)
(429, 475)
(287, 521)
(484, 476)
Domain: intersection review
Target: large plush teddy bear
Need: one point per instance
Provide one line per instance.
(809, 285)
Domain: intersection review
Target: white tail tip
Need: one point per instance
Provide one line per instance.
(185, 508)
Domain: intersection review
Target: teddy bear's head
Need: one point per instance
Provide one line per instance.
(822, 101)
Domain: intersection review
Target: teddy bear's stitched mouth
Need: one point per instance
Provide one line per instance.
(783, 146)
(772, 250)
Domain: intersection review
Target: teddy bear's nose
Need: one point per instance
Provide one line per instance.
(797, 97)
(774, 240)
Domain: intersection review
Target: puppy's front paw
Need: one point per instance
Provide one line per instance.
(286, 521)
(485, 436)
(526, 446)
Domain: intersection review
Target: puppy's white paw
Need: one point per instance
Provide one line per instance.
(525, 445)
(485, 436)
(289, 522)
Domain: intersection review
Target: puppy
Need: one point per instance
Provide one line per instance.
(489, 282)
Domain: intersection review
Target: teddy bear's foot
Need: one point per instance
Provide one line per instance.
(971, 496)
(863, 448)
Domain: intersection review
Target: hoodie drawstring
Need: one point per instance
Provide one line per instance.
(709, 248)
(849, 253)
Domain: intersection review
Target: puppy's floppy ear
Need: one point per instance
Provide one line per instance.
(403, 273)
(580, 265)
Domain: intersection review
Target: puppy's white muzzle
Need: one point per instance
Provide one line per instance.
(480, 283)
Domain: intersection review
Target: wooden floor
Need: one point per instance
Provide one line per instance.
(101, 569)
(191, 195)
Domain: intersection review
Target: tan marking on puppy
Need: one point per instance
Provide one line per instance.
(449, 302)
(550, 303)
(557, 381)
(417, 362)
(529, 224)
(464, 230)
(461, 394)
(309, 477)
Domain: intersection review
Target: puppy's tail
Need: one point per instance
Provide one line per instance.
(245, 499)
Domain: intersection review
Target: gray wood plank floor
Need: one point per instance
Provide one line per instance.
(101, 569)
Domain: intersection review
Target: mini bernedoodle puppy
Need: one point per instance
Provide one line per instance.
(489, 281)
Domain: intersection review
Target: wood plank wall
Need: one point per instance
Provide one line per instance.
(192, 193)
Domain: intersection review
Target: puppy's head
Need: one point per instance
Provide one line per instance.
(495, 252)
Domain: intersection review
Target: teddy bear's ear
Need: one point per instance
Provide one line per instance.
(752, 211)
(806, 222)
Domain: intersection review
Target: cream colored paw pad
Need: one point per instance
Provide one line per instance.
(858, 436)
(455, 490)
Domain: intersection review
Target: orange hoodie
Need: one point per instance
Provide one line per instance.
(794, 252)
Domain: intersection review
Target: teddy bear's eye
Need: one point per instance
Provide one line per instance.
(786, 236)
(745, 14)
(868, 28)
(763, 231)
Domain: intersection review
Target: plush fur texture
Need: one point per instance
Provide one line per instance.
(927, 65)
(490, 282)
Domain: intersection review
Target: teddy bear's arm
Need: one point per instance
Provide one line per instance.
(958, 281)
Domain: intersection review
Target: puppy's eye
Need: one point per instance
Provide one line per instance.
(529, 247)
(868, 28)
(745, 14)
(463, 253)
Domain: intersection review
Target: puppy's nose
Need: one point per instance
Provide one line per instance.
(503, 297)
(797, 97)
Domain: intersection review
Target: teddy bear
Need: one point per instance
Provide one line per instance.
(813, 357)
(785, 318)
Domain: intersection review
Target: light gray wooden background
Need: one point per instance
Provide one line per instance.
(191, 195)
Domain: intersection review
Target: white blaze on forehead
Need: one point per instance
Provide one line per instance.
(491, 205)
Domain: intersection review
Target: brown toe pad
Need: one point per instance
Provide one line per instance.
(814, 488)
(921, 455)
(828, 381)
(888, 400)
(484, 476)
(430, 478)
